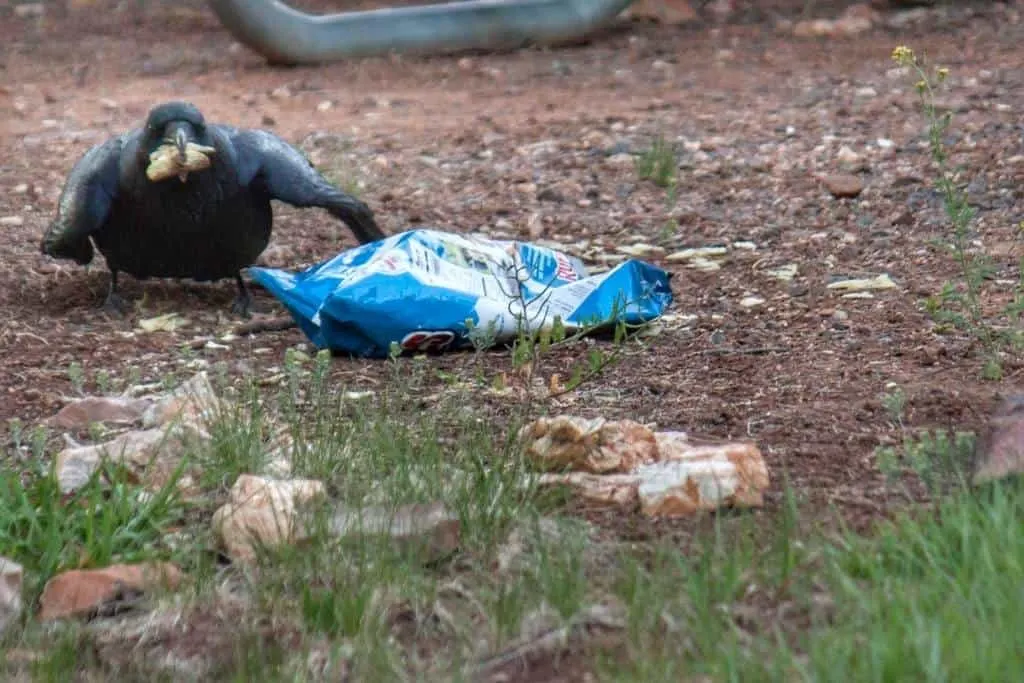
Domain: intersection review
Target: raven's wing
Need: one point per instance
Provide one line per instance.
(263, 159)
(84, 202)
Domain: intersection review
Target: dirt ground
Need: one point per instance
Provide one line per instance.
(521, 144)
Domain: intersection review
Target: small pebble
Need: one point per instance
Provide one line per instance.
(843, 185)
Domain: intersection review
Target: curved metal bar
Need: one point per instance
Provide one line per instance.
(287, 36)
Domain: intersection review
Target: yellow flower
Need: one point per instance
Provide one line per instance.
(902, 54)
(942, 72)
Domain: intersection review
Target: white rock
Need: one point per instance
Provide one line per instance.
(847, 155)
(151, 453)
(699, 252)
(12, 221)
(640, 249)
(193, 403)
(11, 576)
(705, 265)
(263, 512)
(882, 281)
(357, 395)
(431, 526)
(163, 323)
(785, 273)
(751, 301)
(25, 10)
(620, 160)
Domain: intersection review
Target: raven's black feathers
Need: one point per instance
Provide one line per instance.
(206, 227)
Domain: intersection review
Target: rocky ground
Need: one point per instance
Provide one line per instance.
(769, 118)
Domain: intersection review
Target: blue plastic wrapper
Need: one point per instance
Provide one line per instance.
(429, 290)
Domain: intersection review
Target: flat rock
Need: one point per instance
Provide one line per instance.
(785, 273)
(80, 591)
(751, 301)
(640, 250)
(697, 253)
(194, 403)
(843, 185)
(11, 576)
(999, 453)
(103, 409)
(863, 284)
(152, 454)
(430, 526)
(262, 512)
(169, 322)
(620, 160)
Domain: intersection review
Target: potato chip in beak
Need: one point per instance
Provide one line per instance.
(169, 160)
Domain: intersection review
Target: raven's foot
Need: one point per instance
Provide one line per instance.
(242, 305)
(243, 302)
(116, 306)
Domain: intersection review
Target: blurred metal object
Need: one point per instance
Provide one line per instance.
(284, 35)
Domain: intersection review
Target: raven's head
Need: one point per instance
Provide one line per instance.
(174, 141)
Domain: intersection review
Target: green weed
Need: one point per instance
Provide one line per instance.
(960, 304)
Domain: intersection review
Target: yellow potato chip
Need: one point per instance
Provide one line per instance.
(164, 162)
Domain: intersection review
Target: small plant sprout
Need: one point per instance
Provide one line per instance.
(895, 402)
(76, 375)
(658, 163)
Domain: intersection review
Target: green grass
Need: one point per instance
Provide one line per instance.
(95, 526)
(658, 163)
(932, 596)
(777, 596)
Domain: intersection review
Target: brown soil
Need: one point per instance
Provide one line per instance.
(453, 142)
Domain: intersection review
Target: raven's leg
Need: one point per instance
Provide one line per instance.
(114, 304)
(243, 301)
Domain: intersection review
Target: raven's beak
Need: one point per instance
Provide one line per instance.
(180, 141)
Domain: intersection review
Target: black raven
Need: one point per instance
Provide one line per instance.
(182, 198)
